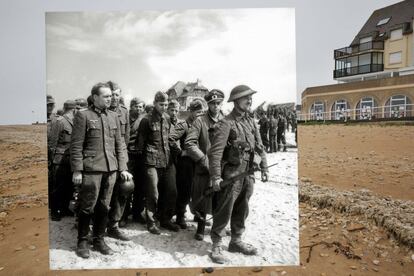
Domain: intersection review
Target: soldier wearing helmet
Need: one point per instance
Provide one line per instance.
(235, 143)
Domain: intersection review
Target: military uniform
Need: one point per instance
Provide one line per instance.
(62, 189)
(264, 130)
(118, 201)
(281, 128)
(273, 133)
(136, 167)
(152, 143)
(97, 151)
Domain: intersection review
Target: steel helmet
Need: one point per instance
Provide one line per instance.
(240, 91)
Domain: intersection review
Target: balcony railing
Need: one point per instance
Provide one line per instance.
(356, 70)
(347, 51)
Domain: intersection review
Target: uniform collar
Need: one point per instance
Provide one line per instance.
(157, 116)
(214, 119)
(238, 115)
(100, 111)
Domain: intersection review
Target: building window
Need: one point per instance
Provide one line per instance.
(340, 110)
(397, 107)
(396, 34)
(365, 39)
(317, 111)
(383, 21)
(395, 57)
(366, 109)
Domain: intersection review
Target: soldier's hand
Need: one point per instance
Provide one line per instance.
(216, 184)
(265, 176)
(77, 178)
(126, 175)
(204, 163)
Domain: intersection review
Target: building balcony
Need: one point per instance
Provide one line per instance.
(358, 48)
(357, 70)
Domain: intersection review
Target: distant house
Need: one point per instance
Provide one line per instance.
(184, 93)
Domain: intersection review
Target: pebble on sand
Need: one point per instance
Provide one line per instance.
(3, 214)
(375, 262)
(32, 247)
(257, 269)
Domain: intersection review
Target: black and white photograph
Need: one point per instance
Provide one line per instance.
(172, 138)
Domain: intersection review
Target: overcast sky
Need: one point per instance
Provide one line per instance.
(321, 26)
(148, 51)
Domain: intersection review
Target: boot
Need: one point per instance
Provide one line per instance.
(99, 227)
(197, 219)
(199, 235)
(180, 221)
(169, 225)
(242, 247)
(284, 148)
(153, 229)
(217, 254)
(100, 245)
(82, 249)
(115, 232)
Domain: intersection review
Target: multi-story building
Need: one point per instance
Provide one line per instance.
(185, 93)
(375, 73)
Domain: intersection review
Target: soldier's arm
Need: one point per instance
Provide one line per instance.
(259, 148)
(142, 135)
(56, 128)
(176, 133)
(191, 141)
(127, 128)
(218, 143)
(77, 140)
(119, 148)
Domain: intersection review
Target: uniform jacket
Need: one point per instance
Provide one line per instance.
(199, 137)
(235, 127)
(273, 126)
(178, 134)
(197, 144)
(96, 142)
(123, 117)
(152, 140)
(133, 132)
(61, 133)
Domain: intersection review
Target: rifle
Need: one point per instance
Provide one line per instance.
(209, 191)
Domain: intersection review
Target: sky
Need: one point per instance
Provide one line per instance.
(320, 27)
(150, 51)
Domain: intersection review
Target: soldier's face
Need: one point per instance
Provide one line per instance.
(197, 113)
(116, 95)
(214, 107)
(138, 108)
(161, 107)
(172, 112)
(244, 103)
(103, 100)
(50, 108)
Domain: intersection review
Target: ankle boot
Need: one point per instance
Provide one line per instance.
(201, 225)
(83, 232)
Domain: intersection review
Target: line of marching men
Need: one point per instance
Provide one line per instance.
(147, 163)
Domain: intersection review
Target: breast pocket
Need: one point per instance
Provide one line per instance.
(67, 133)
(122, 122)
(151, 155)
(94, 128)
(113, 128)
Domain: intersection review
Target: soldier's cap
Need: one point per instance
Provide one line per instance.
(49, 99)
(135, 101)
(240, 91)
(214, 95)
(160, 97)
(69, 104)
(173, 104)
(81, 103)
(196, 105)
(114, 86)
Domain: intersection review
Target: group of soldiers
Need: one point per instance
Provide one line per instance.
(148, 163)
(273, 126)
